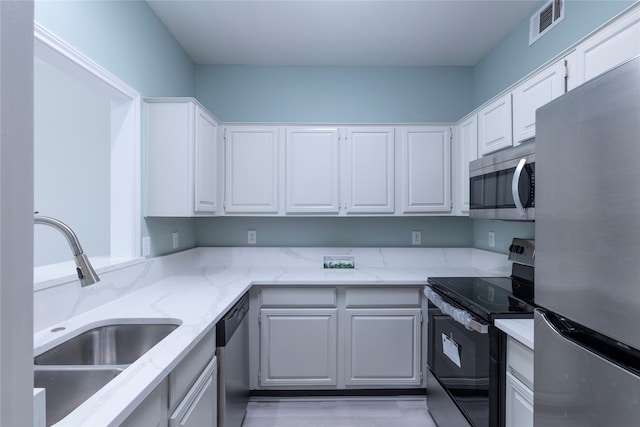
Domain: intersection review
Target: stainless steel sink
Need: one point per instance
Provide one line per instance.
(67, 387)
(75, 370)
(113, 344)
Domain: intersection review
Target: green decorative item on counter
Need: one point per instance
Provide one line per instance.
(339, 262)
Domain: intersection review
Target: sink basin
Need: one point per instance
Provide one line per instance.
(113, 344)
(67, 387)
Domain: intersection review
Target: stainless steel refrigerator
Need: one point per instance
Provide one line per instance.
(587, 326)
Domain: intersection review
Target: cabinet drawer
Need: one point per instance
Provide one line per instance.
(383, 297)
(306, 297)
(186, 373)
(520, 361)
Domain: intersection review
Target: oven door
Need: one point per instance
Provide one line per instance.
(460, 361)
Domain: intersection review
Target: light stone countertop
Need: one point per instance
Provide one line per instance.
(215, 279)
(520, 329)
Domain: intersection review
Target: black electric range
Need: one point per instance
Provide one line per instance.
(489, 298)
(466, 352)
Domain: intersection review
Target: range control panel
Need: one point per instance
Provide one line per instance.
(522, 251)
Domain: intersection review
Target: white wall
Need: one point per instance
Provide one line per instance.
(72, 160)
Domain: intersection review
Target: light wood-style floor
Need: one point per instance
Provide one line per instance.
(338, 412)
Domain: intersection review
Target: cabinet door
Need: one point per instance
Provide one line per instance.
(426, 176)
(607, 48)
(206, 162)
(312, 174)
(518, 403)
(545, 86)
(298, 347)
(382, 347)
(169, 158)
(465, 147)
(252, 169)
(199, 407)
(494, 126)
(369, 170)
(181, 139)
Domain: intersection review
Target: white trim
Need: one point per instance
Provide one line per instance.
(125, 137)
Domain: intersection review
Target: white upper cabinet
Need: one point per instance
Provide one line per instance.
(425, 173)
(312, 170)
(252, 172)
(611, 46)
(532, 94)
(494, 125)
(369, 170)
(465, 150)
(181, 158)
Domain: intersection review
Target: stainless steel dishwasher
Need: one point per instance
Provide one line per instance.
(232, 349)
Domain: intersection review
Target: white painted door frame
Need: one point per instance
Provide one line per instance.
(16, 213)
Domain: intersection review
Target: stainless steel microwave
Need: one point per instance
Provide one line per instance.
(502, 184)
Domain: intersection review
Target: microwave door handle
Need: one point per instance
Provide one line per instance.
(515, 187)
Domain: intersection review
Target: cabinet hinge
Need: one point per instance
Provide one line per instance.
(260, 376)
(421, 376)
(224, 135)
(421, 318)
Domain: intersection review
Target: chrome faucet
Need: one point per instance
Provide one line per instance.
(86, 274)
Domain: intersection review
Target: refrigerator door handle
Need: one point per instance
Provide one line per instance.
(515, 187)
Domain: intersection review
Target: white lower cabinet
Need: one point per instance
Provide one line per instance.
(298, 347)
(359, 337)
(188, 397)
(519, 403)
(519, 385)
(152, 412)
(382, 347)
(199, 406)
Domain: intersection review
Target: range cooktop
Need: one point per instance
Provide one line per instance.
(487, 297)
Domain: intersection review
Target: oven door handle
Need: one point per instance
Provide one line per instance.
(461, 316)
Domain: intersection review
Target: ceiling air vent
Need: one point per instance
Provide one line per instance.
(545, 18)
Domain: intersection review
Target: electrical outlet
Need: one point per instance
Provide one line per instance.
(176, 240)
(146, 246)
(492, 239)
(416, 237)
(251, 237)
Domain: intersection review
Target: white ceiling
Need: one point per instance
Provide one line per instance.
(340, 32)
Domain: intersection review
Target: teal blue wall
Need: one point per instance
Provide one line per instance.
(352, 232)
(513, 58)
(128, 39)
(335, 94)
(504, 232)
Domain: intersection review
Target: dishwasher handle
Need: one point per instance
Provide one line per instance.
(231, 321)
